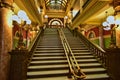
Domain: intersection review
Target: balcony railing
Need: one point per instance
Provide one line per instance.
(84, 6)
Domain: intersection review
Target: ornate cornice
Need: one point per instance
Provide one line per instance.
(6, 5)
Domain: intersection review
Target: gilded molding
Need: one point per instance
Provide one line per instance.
(6, 5)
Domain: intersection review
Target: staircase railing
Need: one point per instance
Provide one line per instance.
(20, 60)
(74, 68)
(33, 45)
(97, 51)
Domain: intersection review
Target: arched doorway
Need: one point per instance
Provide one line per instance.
(55, 23)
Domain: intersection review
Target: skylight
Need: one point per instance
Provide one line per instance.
(56, 4)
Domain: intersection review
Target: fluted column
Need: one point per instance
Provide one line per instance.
(5, 36)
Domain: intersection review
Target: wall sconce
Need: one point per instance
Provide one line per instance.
(111, 24)
(66, 20)
(46, 16)
(66, 17)
(45, 21)
(22, 19)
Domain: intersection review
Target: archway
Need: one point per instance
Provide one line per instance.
(55, 23)
(91, 35)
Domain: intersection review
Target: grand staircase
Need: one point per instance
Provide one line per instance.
(49, 61)
(87, 61)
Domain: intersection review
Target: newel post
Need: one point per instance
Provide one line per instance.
(18, 65)
(113, 63)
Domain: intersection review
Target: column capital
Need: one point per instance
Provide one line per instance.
(6, 5)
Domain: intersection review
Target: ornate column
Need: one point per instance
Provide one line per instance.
(5, 36)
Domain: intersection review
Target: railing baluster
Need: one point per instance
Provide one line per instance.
(94, 49)
(97, 51)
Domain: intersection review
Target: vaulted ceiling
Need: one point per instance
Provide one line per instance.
(36, 9)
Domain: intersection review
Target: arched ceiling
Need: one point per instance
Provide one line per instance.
(36, 9)
(56, 4)
(60, 8)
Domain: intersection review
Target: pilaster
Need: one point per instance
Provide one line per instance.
(101, 39)
(5, 36)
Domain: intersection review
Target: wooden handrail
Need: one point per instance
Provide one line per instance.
(34, 40)
(99, 52)
(32, 46)
(70, 57)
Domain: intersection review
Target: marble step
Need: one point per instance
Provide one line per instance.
(49, 58)
(85, 57)
(51, 73)
(49, 46)
(86, 60)
(81, 53)
(48, 54)
(42, 48)
(48, 66)
(100, 76)
(49, 62)
(81, 50)
(51, 78)
(93, 70)
(89, 65)
(49, 51)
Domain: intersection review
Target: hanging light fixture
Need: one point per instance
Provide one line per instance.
(110, 24)
(110, 20)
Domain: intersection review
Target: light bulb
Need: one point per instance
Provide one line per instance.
(105, 24)
(117, 22)
(111, 19)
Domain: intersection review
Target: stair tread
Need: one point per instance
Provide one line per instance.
(81, 53)
(80, 50)
(84, 60)
(93, 69)
(46, 72)
(49, 51)
(48, 66)
(51, 61)
(48, 48)
(62, 65)
(51, 78)
(96, 76)
(49, 57)
(82, 56)
(89, 64)
(49, 54)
